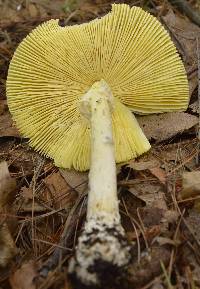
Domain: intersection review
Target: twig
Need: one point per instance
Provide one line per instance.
(143, 229)
(52, 244)
(135, 229)
(37, 171)
(184, 7)
(167, 278)
(173, 253)
(70, 225)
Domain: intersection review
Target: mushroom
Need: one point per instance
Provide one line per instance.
(72, 91)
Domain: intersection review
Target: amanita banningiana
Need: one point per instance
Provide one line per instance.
(72, 90)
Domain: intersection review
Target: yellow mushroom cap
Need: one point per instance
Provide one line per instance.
(54, 66)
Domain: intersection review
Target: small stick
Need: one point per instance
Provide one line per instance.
(70, 225)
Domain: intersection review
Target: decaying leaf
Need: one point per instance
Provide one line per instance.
(166, 241)
(190, 184)
(150, 193)
(7, 184)
(141, 166)
(195, 106)
(152, 165)
(161, 127)
(59, 189)
(3, 106)
(184, 34)
(149, 266)
(193, 82)
(76, 180)
(27, 203)
(32, 9)
(6, 126)
(23, 278)
(7, 245)
(159, 173)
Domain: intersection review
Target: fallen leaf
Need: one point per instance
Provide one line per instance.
(27, 204)
(150, 233)
(194, 106)
(23, 278)
(26, 193)
(170, 216)
(3, 106)
(7, 184)
(190, 184)
(193, 82)
(141, 166)
(7, 245)
(6, 126)
(76, 180)
(191, 234)
(23, 159)
(191, 187)
(166, 241)
(149, 267)
(157, 285)
(33, 11)
(159, 173)
(164, 126)
(151, 194)
(60, 191)
(184, 34)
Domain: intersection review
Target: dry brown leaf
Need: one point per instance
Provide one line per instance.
(7, 184)
(59, 189)
(23, 159)
(27, 204)
(7, 245)
(194, 106)
(33, 11)
(190, 184)
(150, 233)
(3, 106)
(193, 82)
(6, 126)
(184, 34)
(171, 216)
(23, 278)
(26, 193)
(163, 126)
(166, 241)
(152, 166)
(76, 180)
(151, 194)
(159, 173)
(141, 166)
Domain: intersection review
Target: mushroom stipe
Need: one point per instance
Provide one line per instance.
(107, 253)
(72, 91)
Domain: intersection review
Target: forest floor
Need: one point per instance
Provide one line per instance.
(159, 192)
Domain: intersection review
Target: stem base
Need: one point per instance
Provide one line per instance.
(102, 257)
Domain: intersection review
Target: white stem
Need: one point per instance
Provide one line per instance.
(96, 104)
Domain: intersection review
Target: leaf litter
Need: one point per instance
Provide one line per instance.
(43, 208)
